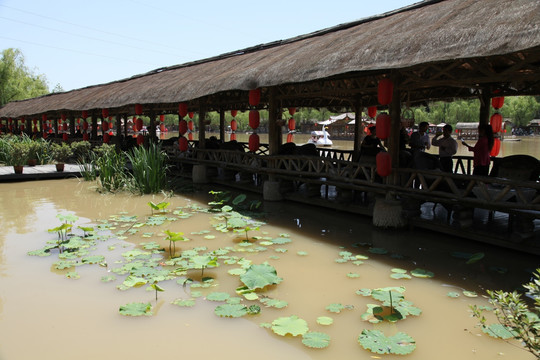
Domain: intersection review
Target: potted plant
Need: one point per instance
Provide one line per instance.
(33, 151)
(18, 156)
(61, 154)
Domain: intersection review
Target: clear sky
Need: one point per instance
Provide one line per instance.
(77, 43)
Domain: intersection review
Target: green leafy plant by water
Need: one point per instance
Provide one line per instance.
(149, 168)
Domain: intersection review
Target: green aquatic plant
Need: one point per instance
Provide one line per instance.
(316, 340)
(111, 166)
(62, 234)
(173, 237)
(159, 207)
(149, 168)
(157, 288)
(292, 325)
(202, 262)
(393, 306)
(259, 276)
(136, 309)
(377, 342)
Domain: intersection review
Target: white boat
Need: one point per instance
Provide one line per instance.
(320, 138)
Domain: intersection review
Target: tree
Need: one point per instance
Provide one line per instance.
(17, 82)
(520, 109)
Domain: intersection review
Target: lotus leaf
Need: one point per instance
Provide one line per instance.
(239, 199)
(453, 294)
(231, 310)
(63, 264)
(335, 308)
(136, 309)
(281, 240)
(184, 302)
(353, 275)
(317, 340)
(377, 342)
(237, 271)
(70, 218)
(375, 250)
(364, 292)
(325, 320)
(95, 259)
(254, 309)
(290, 325)
(108, 278)
(73, 275)
(218, 296)
(421, 273)
(275, 303)
(196, 294)
(301, 253)
(400, 276)
(475, 257)
(133, 281)
(259, 276)
(470, 294)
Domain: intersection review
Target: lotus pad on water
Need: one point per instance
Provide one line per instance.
(316, 340)
(377, 342)
(136, 309)
(290, 325)
(259, 276)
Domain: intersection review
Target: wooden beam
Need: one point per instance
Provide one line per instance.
(202, 126)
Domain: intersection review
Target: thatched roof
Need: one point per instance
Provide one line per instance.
(437, 49)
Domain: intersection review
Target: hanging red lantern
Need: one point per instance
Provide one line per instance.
(86, 137)
(139, 124)
(65, 127)
(85, 125)
(383, 126)
(497, 102)
(104, 113)
(254, 119)
(496, 147)
(254, 97)
(63, 117)
(161, 118)
(191, 114)
(35, 129)
(138, 109)
(190, 136)
(44, 117)
(106, 138)
(372, 111)
(84, 114)
(65, 136)
(254, 142)
(291, 124)
(182, 127)
(384, 163)
(104, 126)
(34, 121)
(21, 127)
(233, 137)
(162, 127)
(234, 113)
(290, 137)
(234, 125)
(140, 139)
(183, 144)
(78, 121)
(182, 109)
(190, 125)
(292, 111)
(385, 91)
(496, 122)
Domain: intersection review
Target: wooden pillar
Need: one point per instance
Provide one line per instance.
(222, 125)
(358, 127)
(125, 116)
(55, 126)
(152, 130)
(274, 130)
(202, 126)
(395, 115)
(72, 125)
(118, 137)
(485, 99)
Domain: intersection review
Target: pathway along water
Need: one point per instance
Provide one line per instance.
(44, 315)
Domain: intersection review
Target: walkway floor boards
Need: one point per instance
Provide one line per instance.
(39, 172)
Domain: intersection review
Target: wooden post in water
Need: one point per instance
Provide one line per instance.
(358, 129)
(222, 125)
(94, 127)
(271, 189)
(199, 173)
(152, 130)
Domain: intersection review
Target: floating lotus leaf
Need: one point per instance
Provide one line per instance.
(265, 325)
(421, 273)
(301, 253)
(341, 260)
(399, 276)
(46, 251)
(353, 275)
(134, 281)
(196, 294)
(377, 342)
(210, 237)
(499, 331)
(453, 294)
(470, 294)
(237, 271)
(364, 292)
(335, 308)
(290, 325)
(251, 296)
(475, 257)
(280, 250)
(281, 240)
(73, 275)
(325, 320)
(375, 250)
(136, 309)
(239, 199)
(231, 310)
(108, 278)
(184, 302)
(254, 309)
(64, 264)
(218, 296)
(95, 259)
(317, 340)
(275, 303)
(259, 276)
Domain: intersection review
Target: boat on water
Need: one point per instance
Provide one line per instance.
(320, 138)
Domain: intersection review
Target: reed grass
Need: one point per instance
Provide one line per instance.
(149, 169)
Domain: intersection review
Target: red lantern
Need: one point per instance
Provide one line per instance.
(161, 118)
(182, 127)
(86, 137)
(292, 111)
(290, 137)
(104, 113)
(383, 126)
(45, 135)
(140, 139)
(139, 124)
(234, 113)
(104, 126)
(162, 127)
(182, 109)
(22, 127)
(85, 114)
(78, 121)
(65, 136)
(106, 138)
(234, 125)
(384, 163)
(233, 137)
(191, 114)
(190, 125)
(496, 122)
(190, 136)
(85, 125)
(183, 144)
(35, 129)
(34, 121)
(65, 127)
(63, 117)
(291, 124)
(254, 119)
(497, 102)
(372, 111)
(254, 97)
(254, 142)
(384, 91)
(496, 147)
(138, 109)
(44, 117)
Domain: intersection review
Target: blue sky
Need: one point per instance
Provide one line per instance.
(77, 43)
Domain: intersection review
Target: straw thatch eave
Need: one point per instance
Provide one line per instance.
(437, 50)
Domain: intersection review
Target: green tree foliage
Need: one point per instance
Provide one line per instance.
(521, 109)
(17, 82)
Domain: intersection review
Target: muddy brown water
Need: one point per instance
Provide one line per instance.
(44, 315)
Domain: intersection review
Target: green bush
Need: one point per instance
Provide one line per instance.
(149, 167)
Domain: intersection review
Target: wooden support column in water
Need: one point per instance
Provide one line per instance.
(358, 128)
(222, 125)
(202, 118)
(395, 115)
(71, 120)
(94, 127)
(274, 130)
(152, 130)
